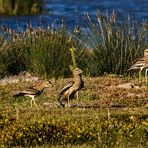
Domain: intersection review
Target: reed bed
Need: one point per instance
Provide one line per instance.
(109, 45)
(42, 51)
(116, 42)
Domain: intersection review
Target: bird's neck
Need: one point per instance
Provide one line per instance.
(78, 81)
(146, 54)
(40, 88)
(77, 77)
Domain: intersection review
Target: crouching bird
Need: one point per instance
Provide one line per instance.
(141, 64)
(71, 88)
(34, 91)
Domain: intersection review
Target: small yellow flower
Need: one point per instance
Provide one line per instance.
(20, 134)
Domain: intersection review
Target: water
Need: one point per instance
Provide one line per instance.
(73, 12)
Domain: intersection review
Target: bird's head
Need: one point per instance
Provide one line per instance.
(47, 84)
(77, 71)
(43, 84)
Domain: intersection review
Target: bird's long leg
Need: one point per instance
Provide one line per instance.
(35, 103)
(68, 104)
(33, 100)
(146, 75)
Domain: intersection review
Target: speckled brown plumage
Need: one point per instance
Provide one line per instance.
(71, 88)
(34, 91)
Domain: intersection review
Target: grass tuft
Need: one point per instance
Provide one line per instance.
(115, 44)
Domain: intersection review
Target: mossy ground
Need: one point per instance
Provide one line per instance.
(117, 114)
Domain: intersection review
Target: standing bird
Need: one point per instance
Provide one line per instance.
(141, 64)
(34, 91)
(71, 88)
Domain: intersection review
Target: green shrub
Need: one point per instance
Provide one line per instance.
(115, 131)
(116, 43)
(44, 52)
(10, 53)
(48, 52)
(109, 46)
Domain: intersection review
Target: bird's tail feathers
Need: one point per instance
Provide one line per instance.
(130, 69)
(133, 68)
(18, 94)
(61, 102)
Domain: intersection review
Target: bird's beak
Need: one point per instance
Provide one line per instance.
(81, 71)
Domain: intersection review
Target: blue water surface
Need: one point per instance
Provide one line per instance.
(73, 12)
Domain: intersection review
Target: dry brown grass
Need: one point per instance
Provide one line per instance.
(105, 91)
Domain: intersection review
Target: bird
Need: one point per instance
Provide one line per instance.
(71, 88)
(141, 64)
(34, 91)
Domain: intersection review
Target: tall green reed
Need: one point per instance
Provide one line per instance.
(10, 60)
(109, 46)
(115, 44)
(43, 51)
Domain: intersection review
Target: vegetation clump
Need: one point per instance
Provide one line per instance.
(44, 52)
(109, 46)
(20, 7)
(107, 115)
(116, 43)
(114, 130)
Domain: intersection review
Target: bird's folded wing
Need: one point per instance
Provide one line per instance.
(69, 84)
(29, 91)
(138, 64)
